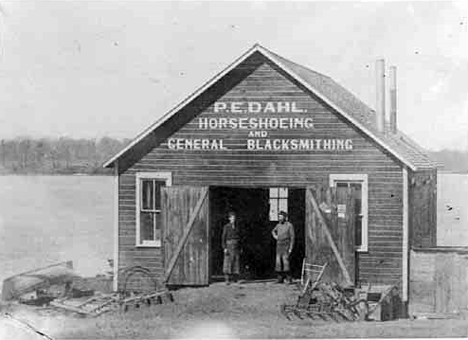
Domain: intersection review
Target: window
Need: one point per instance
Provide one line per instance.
(149, 231)
(357, 182)
(278, 202)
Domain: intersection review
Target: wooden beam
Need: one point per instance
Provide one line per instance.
(187, 230)
(330, 238)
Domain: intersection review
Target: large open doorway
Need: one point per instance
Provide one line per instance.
(255, 218)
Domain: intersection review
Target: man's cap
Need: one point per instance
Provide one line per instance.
(231, 213)
(284, 213)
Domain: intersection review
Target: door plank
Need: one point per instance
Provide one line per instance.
(329, 237)
(187, 229)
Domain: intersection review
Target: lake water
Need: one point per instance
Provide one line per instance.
(452, 210)
(47, 219)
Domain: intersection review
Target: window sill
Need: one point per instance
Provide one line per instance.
(149, 245)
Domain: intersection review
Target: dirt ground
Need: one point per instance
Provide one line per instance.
(220, 311)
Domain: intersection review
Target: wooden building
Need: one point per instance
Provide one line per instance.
(254, 139)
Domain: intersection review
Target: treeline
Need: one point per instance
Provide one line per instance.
(57, 156)
(451, 160)
(70, 156)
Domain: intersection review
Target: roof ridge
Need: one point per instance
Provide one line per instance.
(327, 89)
(357, 108)
(336, 83)
(293, 62)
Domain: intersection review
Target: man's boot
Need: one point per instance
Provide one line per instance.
(289, 279)
(280, 278)
(226, 279)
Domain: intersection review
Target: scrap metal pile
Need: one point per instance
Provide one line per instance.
(58, 287)
(329, 301)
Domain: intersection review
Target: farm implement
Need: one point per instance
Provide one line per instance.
(328, 301)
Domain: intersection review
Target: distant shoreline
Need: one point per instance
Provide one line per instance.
(53, 174)
(64, 156)
(454, 172)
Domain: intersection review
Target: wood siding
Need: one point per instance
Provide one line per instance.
(438, 280)
(262, 82)
(423, 208)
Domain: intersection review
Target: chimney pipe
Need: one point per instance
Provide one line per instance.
(380, 94)
(393, 100)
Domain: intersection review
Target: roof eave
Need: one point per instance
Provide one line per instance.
(174, 110)
(338, 109)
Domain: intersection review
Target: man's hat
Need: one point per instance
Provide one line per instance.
(284, 213)
(231, 213)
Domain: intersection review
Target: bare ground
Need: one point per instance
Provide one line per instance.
(219, 311)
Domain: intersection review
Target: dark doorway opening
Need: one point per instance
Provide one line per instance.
(252, 207)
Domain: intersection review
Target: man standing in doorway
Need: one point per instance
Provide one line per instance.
(230, 243)
(283, 233)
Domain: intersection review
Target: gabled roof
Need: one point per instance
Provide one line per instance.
(332, 93)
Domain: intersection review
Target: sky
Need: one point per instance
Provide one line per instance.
(86, 69)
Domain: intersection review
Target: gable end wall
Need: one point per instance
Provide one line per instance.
(239, 167)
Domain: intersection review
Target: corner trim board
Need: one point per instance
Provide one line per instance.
(405, 273)
(115, 281)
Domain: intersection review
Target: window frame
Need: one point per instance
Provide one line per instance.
(361, 178)
(277, 198)
(159, 176)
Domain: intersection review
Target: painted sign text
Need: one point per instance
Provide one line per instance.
(257, 107)
(258, 129)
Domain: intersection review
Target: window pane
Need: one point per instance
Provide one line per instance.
(357, 189)
(158, 226)
(283, 204)
(358, 231)
(147, 195)
(341, 193)
(358, 197)
(146, 226)
(341, 184)
(358, 207)
(158, 185)
(283, 192)
(274, 210)
(273, 192)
